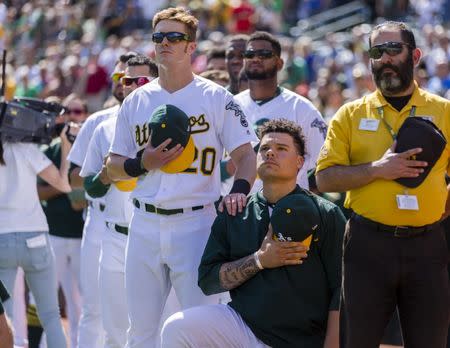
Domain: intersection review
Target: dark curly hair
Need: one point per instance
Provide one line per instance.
(283, 125)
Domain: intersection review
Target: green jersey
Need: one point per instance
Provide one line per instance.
(286, 306)
(62, 220)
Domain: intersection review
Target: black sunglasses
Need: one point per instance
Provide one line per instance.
(262, 54)
(172, 36)
(391, 48)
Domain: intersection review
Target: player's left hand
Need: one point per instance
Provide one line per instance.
(234, 202)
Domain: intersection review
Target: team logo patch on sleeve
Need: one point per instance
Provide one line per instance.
(237, 112)
(323, 152)
(317, 123)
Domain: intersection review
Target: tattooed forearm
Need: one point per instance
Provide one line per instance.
(232, 274)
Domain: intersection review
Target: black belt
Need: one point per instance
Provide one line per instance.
(118, 228)
(397, 231)
(101, 205)
(150, 208)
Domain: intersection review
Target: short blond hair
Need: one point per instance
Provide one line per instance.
(181, 15)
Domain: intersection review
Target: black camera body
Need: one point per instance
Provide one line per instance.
(28, 120)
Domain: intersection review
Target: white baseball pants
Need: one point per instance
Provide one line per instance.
(67, 261)
(213, 326)
(90, 328)
(163, 251)
(114, 309)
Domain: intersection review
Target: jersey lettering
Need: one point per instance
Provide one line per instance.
(142, 134)
(198, 125)
(207, 162)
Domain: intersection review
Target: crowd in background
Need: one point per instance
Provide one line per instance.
(59, 47)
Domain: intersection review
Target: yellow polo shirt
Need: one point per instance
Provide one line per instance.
(346, 144)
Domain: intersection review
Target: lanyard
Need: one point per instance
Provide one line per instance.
(412, 113)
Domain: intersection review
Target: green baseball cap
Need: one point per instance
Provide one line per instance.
(168, 121)
(295, 218)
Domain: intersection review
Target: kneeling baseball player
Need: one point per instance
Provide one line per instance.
(280, 259)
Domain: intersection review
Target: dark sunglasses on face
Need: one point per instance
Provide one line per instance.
(391, 48)
(233, 55)
(139, 80)
(75, 111)
(172, 36)
(262, 54)
(115, 77)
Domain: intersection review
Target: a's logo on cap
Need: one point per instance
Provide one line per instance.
(288, 210)
(163, 125)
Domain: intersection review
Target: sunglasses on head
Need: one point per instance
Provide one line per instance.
(262, 54)
(172, 36)
(115, 77)
(139, 80)
(391, 48)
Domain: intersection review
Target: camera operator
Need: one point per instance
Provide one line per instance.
(64, 214)
(24, 240)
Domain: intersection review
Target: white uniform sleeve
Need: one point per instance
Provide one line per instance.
(94, 158)
(37, 160)
(123, 143)
(235, 129)
(79, 148)
(314, 132)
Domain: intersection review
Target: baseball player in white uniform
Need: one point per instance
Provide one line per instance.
(90, 330)
(117, 214)
(173, 212)
(266, 100)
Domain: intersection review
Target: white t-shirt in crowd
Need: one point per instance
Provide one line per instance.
(20, 209)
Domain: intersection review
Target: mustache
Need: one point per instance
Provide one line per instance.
(388, 66)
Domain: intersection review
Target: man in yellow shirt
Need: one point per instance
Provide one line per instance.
(395, 252)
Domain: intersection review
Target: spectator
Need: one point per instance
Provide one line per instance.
(215, 59)
(390, 193)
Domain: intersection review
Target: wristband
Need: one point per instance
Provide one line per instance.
(241, 186)
(94, 187)
(257, 261)
(133, 166)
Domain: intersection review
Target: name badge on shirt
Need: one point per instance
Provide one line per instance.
(369, 124)
(407, 202)
(36, 242)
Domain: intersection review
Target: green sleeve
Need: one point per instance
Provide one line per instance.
(215, 254)
(94, 187)
(331, 252)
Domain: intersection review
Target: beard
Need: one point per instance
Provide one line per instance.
(261, 75)
(391, 83)
(118, 94)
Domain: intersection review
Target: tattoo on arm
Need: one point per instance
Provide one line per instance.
(232, 274)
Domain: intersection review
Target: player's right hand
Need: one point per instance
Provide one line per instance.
(398, 165)
(156, 157)
(273, 253)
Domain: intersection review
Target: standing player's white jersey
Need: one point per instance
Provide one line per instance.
(217, 122)
(295, 108)
(79, 149)
(118, 207)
